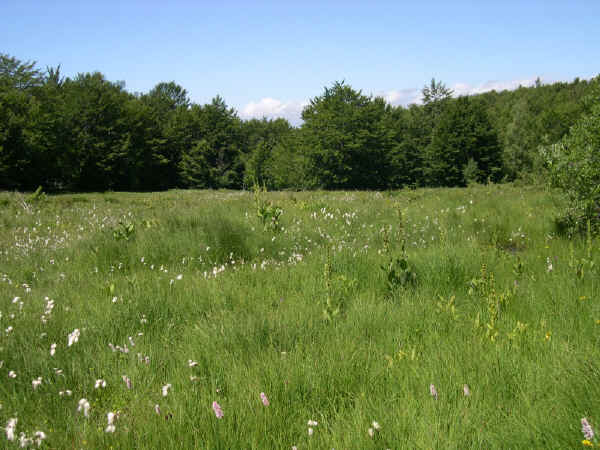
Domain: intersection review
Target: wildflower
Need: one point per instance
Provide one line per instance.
(100, 384)
(157, 409)
(110, 416)
(127, 381)
(24, 441)
(9, 329)
(264, 399)
(74, 337)
(179, 277)
(587, 429)
(35, 383)
(52, 349)
(433, 391)
(376, 426)
(165, 389)
(587, 443)
(68, 393)
(131, 341)
(10, 429)
(12, 374)
(39, 437)
(466, 390)
(192, 363)
(217, 409)
(371, 432)
(310, 431)
(84, 406)
(549, 264)
(313, 423)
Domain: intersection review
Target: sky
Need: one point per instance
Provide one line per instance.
(269, 58)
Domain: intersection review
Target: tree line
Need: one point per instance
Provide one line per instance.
(87, 133)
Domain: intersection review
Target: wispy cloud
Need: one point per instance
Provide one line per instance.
(405, 97)
(467, 89)
(272, 108)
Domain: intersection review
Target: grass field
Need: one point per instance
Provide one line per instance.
(136, 320)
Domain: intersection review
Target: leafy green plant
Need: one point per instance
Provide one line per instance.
(267, 212)
(39, 196)
(124, 231)
(584, 264)
(338, 289)
(398, 271)
(484, 287)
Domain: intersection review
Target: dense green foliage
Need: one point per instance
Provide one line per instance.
(89, 134)
(574, 167)
(343, 309)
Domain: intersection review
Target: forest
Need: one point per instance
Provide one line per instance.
(87, 133)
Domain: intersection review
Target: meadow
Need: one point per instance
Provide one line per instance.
(430, 318)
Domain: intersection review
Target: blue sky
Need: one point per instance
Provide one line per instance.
(271, 57)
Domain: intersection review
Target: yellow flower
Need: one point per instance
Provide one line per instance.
(587, 443)
(548, 336)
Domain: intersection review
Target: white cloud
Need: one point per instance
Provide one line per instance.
(402, 97)
(405, 97)
(467, 89)
(272, 108)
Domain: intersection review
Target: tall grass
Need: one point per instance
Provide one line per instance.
(199, 295)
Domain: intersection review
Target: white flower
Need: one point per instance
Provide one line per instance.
(74, 337)
(39, 437)
(52, 349)
(35, 383)
(110, 428)
(84, 406)
(100, 383)
(310, 431)
(110, 416)
(68, 393)
(157, 409)
(192, 363)
(179, 277)
(9, 329)
(10, 429)
(371, 432)
(127, 381)
(313, 423)
(376, 426)
(165, 389)
(24, 441)
(12, 374)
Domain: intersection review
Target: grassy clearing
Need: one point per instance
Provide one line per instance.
(189, 289)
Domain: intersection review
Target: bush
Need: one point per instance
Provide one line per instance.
(574, 167)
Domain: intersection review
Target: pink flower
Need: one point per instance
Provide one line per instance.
(217, 409)
(433, 391)
(264, 399)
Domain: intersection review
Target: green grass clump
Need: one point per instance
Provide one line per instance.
(190, 289)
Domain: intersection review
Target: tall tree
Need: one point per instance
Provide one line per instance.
(462, 136)
(346, 138)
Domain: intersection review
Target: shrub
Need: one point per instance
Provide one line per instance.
(574, 167)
